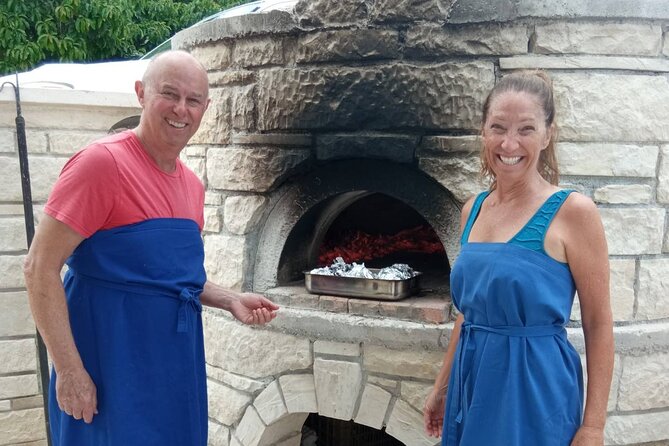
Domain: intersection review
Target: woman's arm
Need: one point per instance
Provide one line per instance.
(587, 255)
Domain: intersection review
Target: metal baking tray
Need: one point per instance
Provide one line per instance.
(363, 288)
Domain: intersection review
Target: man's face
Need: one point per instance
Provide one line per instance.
(174, 100)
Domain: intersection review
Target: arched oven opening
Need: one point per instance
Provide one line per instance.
(365, 227)
(368, 211)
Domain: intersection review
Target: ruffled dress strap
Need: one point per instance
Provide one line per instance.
(476, 208)
(532, 235)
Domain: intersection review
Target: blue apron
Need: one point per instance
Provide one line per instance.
(516, 380)
(133, 298)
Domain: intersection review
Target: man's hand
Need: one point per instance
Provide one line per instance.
(76, 394)
(253, 309)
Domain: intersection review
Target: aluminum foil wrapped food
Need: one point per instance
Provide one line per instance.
(398, 271)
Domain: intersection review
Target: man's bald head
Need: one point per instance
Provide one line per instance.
(173, 59)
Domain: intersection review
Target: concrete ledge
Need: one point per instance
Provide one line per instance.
(505, 10)
(585, 63)
(70, 97)
(274, 22)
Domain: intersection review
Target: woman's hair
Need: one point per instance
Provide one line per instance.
(538, 84)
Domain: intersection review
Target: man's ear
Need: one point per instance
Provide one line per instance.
(139, 91)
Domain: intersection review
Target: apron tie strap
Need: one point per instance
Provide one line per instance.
(190, 303)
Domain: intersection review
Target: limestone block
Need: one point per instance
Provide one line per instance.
(459, 174)
(216, 123)
(584, 63)
(665, 48)
(415, 393)
(250, 429)
(213, 198)
(218, 435)
(226, 405)
(637, 428)
(29, 402)
(258, 51)
(252, 352)
(194, 151)
(607, 160)
(87, 117)
(212, 220)
(234, 441)
(653, 297)
(445, 144)
(231, 77)
(320, 12)
(269, 404)
(43, 173)
(663, 176)
(347, 44)
(252, 169)
(447, 96)
(7, 141)
(598, 38)
(22, 426)
(68, 143)
(213, 57)
(623, 194)
(197, 165)
(224, 260)
(273, 139)
(410, 10)
(242, 212)
(242, 106)
(391, 147)
(406, 424)
(11, 271)
(13, 234)
(410, 363)
(15, 317)
(238, 382)
(18, 356)
(373, 406)
(18, 386)
(338, 386)
(336, 348)
(432, 40)
(287, 428)
(643, 383)
(299, 392)
(610, 107)
(385, 383)
(632, 231)
(5, 406)
(36, 141)
(623, 273)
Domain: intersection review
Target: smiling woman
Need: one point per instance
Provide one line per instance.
(527, 247)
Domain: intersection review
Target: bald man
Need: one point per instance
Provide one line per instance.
(124, 327)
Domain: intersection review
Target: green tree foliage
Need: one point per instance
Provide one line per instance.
(36, 31)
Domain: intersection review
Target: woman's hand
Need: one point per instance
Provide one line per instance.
(433, 412)
(588, 436)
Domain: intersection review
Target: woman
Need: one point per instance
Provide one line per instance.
(511, 375)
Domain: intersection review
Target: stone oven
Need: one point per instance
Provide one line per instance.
(363, 115)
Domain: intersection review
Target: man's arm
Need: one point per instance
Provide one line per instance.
(248, 308)
(54, 242)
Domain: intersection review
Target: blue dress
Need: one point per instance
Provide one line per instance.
(133, 298)
(516, 380)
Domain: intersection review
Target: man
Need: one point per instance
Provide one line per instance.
(124, 328)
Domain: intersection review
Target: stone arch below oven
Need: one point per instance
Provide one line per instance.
(277, 414)
(343, 180)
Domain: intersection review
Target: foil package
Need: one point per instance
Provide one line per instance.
(339, 268)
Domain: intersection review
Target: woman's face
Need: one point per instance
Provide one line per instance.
(514, 135)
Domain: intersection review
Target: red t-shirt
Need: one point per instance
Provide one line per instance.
(114, 182)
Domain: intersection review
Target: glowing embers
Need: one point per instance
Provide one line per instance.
(359, 246)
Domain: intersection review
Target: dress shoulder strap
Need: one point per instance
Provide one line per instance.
(532, 235)
(476, 208)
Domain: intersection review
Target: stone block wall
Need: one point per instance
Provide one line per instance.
(58, 123)
(403, 81)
